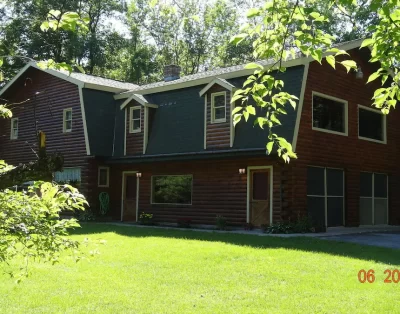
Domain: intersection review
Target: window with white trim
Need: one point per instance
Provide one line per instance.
(14, 129)
(218, 107)
(68, 175)
(135, 121)
(329, 114)
(103, 177)
(175, 189)
(373, 198)
(371, 124)
(67, 120)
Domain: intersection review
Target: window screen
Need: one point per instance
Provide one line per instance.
(315, 181)
(260, 185)
(334, 181)
(370, 124)
(172, 189)
(68, 175)
(328, 114)
(366, 184)
(103, 176)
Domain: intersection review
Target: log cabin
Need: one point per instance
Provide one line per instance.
(170, 148)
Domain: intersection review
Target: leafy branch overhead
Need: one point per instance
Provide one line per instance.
(280, 30)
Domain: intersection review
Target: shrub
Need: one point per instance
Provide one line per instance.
(86, 215)
(220, 222)
(146, 219)
(301, 225)
(184, 222)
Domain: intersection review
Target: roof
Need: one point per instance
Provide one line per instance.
(80, 79)
(224, 73)
(138, 98)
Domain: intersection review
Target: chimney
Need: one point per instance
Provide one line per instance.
(172, 72)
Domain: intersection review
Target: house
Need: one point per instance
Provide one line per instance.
(170, 148)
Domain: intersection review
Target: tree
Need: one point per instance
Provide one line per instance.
(282, 29)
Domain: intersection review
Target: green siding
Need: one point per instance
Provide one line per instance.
(100, 110)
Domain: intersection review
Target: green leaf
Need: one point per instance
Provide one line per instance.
(253, 65)
(246, 115)
(80, 68)
(251, 110)
(331, 61)
(269, 147)
(236, 110)
(253, 12)
(238, 38)
(349, 64)
(367, 42)
(373, 77)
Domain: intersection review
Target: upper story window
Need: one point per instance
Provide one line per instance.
(371, 125)
(67, 120)
(103, 176)
(218, 107)
(135, 123)
(329, 114)
(14, 129)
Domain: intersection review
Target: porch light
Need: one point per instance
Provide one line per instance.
(359, 74)
(138, 174)
(242, 171)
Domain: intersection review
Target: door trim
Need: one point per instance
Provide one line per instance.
(124, 173)
(271, 181)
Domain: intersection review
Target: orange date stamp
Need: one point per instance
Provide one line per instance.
(368, 276)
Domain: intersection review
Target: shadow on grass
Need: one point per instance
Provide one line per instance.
(306, 244)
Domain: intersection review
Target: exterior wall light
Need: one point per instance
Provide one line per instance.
(138, 174)
(242, 171)
(359, 74)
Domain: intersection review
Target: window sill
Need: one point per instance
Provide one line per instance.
(218, 121)
(372, 140)
(67, 131)
(135, 131)
(329, 131)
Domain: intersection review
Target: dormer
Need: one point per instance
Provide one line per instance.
(137, 122)
(219, 132)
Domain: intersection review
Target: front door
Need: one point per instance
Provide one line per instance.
(260, 197)
(129, 197)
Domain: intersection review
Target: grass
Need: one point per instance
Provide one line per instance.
(148, 270)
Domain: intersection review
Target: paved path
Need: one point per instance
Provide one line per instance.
(387, 239)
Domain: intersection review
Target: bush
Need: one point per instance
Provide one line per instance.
(220, 222)
(86, 215)
(301, 225)
(146, 219)
(248, 226)
(184, 222)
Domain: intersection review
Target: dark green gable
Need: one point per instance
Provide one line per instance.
(100, 111)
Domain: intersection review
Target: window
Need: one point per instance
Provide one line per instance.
(14, 129)
(67, 118)
(329, 114)
(373, 198)
(135, 124)
(172, 189)
(68, 175)
(103, 177)
(325, 196)
(371, 124)
(218, 107)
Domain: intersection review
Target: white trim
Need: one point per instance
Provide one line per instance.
(65, 130)
(205, 122)
(232, 128)
(213, 120)
(384, 125)
(300, 106)
(84, 121)
(171, 175)
(146, 129)
(108, 177)
(123, 190)
(230, 73)
(271, 185)
(105, 88)
(220, 82)
(131, 109)
(346, 114)
(12, 129)
(138, 99)
(126, 118)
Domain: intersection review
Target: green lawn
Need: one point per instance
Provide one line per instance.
(145, 270)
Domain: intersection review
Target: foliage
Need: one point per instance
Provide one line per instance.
(184, 222)
(30, 225)
(221, 222)
(146, 219)
(301, 225)
(86, 215)
(248, 226)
